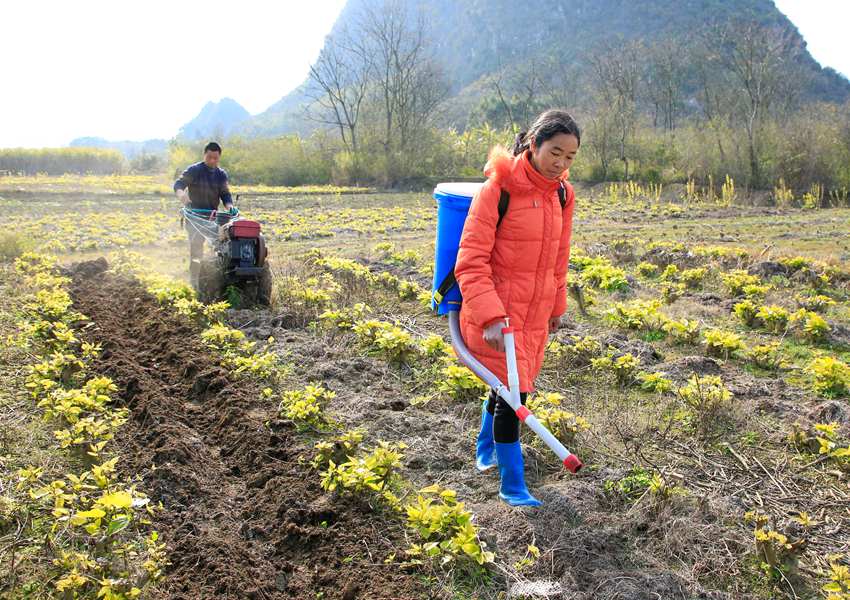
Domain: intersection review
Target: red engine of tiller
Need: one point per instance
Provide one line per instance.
(246, 246)
(243, 228)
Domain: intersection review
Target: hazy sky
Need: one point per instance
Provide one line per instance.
(139, 70)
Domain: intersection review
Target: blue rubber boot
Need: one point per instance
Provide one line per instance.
(512, 470)
(485, 447)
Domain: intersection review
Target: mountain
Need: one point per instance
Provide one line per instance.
(129, 149)
(474, 41)
(216, 120)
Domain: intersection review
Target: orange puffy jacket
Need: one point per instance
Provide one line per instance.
(519, 269)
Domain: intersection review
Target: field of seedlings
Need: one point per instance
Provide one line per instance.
(156, 447)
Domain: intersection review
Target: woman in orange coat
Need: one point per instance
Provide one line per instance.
(516, 268)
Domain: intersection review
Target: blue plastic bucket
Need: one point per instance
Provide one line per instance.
(453, 201)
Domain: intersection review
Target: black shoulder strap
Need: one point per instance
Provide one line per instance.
(562, 195)
(504, 199)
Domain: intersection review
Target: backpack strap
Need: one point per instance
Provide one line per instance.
(504, 199)
(449, 281)
(562, 195)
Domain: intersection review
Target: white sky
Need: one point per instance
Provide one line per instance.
(135, 70)
(138, 70)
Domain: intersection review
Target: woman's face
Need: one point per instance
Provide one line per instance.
(555, 155)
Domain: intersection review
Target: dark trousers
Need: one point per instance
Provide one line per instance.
(196, 253)
(505, 421)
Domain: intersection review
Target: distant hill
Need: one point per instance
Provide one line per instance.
(129, 149)
(475, 40)
(216, 120)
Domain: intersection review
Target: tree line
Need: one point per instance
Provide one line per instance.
(733, 98)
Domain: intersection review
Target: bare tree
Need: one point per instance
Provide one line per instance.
(665, 78)
(408, 84)
(760, 62)
(520, 92)
(340, 81)
(617, 76)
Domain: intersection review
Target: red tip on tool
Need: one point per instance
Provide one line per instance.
(507, 330)
(572, 463)
(522, 412)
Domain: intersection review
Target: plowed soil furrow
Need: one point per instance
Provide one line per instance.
(243, 518)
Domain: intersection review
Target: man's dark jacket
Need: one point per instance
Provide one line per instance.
(206, 186)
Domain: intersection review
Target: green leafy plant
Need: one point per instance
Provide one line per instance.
(639, 314)
(670, 273)
(459, 383)
(624, 368)
(370, 475)
(647, 270)
(773, 318)
(600, 273)
(830, 376)
(549, 410)
(736, 280)
(746, 311)
(778, 555)
(767, 356)
(722, 344)
(815, 302)
(707, 397)
(682, 332)
(339, 450)
(672, 291)
(654, 382)
(344, 318)
(386, 340)
(810, 325)
(639, 482)
(306, 407)
(693, 278)
(446, 529)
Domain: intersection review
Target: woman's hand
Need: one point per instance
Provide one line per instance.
(554, 324)
(494, 337)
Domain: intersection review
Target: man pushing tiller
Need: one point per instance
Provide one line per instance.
(201, 187)
(238, 261)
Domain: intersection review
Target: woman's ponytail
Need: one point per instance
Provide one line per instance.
(520, 143)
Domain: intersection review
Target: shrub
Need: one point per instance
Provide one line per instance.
(445, 527)
(766, 356)
(707, 397)
(654, 382)
(683, 332)
(736, 280)
(746, 311)
(372, 475)
(638, 314)
(830, 376)
(722, 344)
(306, 407)
(773, 318)
(459, 383)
